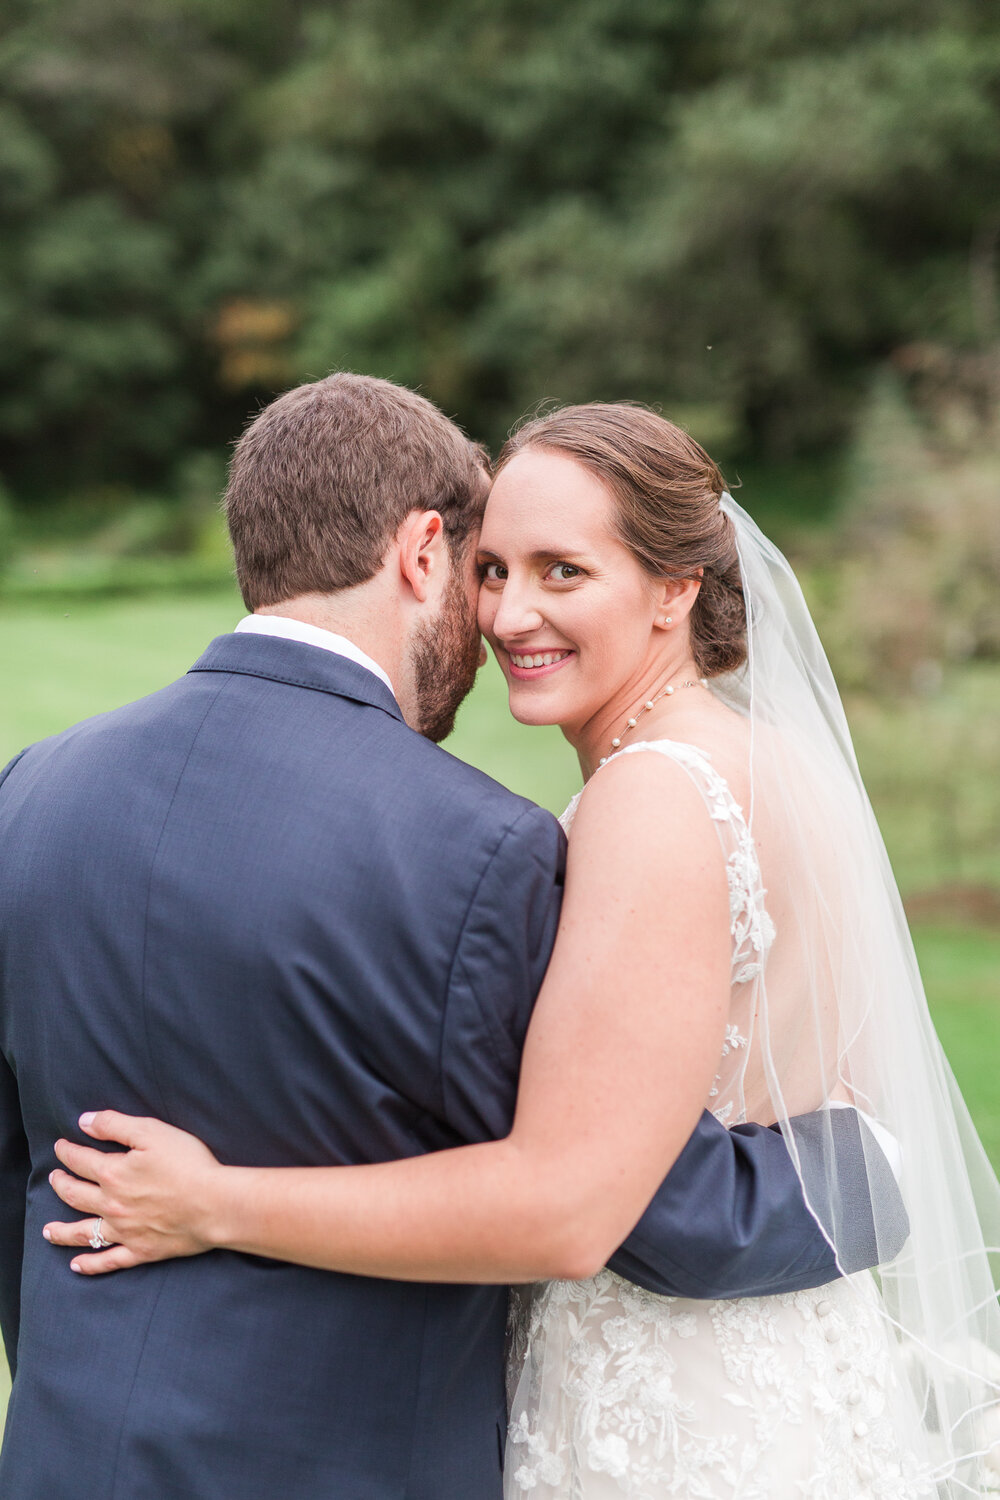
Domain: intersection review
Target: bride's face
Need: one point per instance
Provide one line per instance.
(569, 612)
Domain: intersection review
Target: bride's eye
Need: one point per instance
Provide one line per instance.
(492, 572)
(564, 572)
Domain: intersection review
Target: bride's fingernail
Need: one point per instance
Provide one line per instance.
(88, 1119)
(75, 1265)
(46, 1234)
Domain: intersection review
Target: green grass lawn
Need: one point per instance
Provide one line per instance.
(961, 972)
(61, 663)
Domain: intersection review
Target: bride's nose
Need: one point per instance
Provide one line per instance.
(517, 612)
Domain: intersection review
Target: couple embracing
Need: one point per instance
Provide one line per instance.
(400, 1090)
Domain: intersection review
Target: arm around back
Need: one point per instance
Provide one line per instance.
(731, 1218)
(619, 1057)
(620, 1054)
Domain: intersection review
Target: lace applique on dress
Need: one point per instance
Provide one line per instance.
(628, 1396)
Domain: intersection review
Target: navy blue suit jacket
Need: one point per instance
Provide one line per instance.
(259, 906)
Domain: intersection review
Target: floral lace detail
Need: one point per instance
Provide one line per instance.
(625, 1394)
(619, 1393)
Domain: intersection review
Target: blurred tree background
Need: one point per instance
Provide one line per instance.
(734, 210)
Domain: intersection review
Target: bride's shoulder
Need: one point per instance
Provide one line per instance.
(640, 837)
(653, 789)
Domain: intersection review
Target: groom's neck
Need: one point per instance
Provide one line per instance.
(360, 615)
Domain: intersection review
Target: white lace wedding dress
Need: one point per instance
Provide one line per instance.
(616, 1392)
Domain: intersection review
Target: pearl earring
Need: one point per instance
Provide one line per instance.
(668, 620)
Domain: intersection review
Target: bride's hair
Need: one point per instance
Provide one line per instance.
(667, 492)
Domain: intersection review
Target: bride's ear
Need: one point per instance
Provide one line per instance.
(675, 600)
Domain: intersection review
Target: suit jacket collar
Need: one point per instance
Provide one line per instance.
(298, 664)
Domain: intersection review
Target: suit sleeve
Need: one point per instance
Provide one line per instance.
(503, 951)
(731, 1220)
(14, 1169)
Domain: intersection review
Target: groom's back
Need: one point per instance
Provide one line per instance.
(260, 907)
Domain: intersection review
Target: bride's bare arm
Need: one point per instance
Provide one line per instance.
(618, 1061)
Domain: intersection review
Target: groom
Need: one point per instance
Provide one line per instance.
(263, 905)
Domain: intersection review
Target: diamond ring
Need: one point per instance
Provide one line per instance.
(97, 1240)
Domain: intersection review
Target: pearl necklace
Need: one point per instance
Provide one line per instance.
(649, 703)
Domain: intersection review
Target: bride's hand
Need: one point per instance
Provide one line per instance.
(153, 1201)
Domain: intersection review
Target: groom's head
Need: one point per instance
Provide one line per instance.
(355, 501)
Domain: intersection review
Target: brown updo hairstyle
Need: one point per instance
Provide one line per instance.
(666, 491)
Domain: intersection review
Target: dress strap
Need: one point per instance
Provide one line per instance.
(750, 925)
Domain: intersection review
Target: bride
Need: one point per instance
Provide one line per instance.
(731, 935)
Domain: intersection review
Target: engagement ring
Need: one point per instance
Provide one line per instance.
(97, 1240)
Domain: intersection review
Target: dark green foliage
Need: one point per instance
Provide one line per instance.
(731, 209)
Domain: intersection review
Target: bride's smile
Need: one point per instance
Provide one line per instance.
(583, 633)
(529, 666)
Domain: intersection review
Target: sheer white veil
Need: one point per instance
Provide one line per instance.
(841, 1017)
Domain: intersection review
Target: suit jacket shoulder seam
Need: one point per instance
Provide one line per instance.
(11, 764)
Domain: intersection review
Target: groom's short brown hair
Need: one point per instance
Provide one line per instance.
(323, 478)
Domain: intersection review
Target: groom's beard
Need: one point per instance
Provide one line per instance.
(445, 661)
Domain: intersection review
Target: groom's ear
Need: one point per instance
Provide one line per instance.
(423, 553)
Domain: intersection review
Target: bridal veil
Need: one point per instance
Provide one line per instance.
(840, 1018)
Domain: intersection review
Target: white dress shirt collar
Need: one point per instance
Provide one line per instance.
(312, 635)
